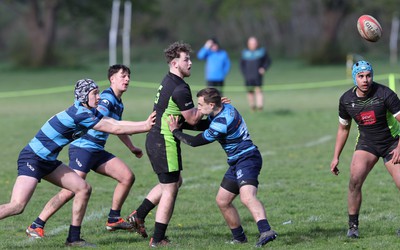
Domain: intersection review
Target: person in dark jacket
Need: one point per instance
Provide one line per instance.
(254, 62)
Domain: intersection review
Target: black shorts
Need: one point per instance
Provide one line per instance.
(164, 152)
(378, 150)
(251, 83)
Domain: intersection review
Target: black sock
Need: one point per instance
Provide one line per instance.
(38, 223)
(144, 209)
(353, 219)
(159, 231)
(114, 215)
(74, 233)
(238, 234)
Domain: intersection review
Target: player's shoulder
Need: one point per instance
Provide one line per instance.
(348, 94)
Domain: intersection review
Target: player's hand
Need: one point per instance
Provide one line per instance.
(208, 44)
(334, 168)
(396, 155)
(173, 122)
(137, 152)
(151, 120)
(225, 99)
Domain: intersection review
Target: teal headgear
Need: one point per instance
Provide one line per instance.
(361, 66)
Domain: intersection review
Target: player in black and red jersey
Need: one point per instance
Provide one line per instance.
(375, 108)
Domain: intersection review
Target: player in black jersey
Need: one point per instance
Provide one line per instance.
(173, 98)
(375, 108)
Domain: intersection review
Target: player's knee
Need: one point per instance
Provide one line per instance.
(127, 179)
(18, 208)
(221, 202)
(355, 184)
(84, 191)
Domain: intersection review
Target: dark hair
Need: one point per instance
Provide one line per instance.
(174, 50)
(117, 67)
(210, 95)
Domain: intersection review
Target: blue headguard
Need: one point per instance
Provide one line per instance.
(361, 66)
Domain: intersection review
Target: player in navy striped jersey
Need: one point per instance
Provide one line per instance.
(88, 153)
(38, 160)
(375, 108)
(228, 127)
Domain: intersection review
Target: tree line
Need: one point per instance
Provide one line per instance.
(38, 33)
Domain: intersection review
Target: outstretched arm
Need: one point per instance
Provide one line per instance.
(113, 126)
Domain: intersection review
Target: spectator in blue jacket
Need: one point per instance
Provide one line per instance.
(217, 63)
(253, 64)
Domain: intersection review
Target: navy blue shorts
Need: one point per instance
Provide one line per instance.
(245, 169)
(84, 160)
(30, 164)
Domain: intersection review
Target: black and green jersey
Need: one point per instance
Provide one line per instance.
(163, 149)
(173, 96)
(374, 114)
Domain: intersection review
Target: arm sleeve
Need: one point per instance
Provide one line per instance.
(200, 126)
(183, 98)
(192, 141)
(266, 61)
(393, 103)
(227, 64)
(203, 53)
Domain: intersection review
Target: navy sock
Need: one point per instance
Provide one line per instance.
(144, 209)
(114, 215)
(263, 226)
(238, 234)
(74, 233)
(38, 223)
(159, 231)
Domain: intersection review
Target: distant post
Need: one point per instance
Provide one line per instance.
(113, 33)
(394, 34)
(126, 34)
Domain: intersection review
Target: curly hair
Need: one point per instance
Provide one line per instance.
(174, 50)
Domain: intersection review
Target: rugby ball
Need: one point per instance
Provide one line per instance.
(369, 28)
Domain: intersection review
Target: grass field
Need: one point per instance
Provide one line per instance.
(305, 203)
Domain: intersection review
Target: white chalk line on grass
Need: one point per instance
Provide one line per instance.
(309, 144)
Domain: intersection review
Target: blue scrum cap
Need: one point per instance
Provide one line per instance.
(82, 89)
(361, 66)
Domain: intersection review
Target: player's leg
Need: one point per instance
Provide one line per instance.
(119, 171)
(169, 184)
(249, 166)
(249, 199)
(227, 192)
(224, 200)
(21, 194)
(361, 164)
(66, 178)
(36, 229)
(251, 99)
(259, 98)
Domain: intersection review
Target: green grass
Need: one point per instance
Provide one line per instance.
(295, 133)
